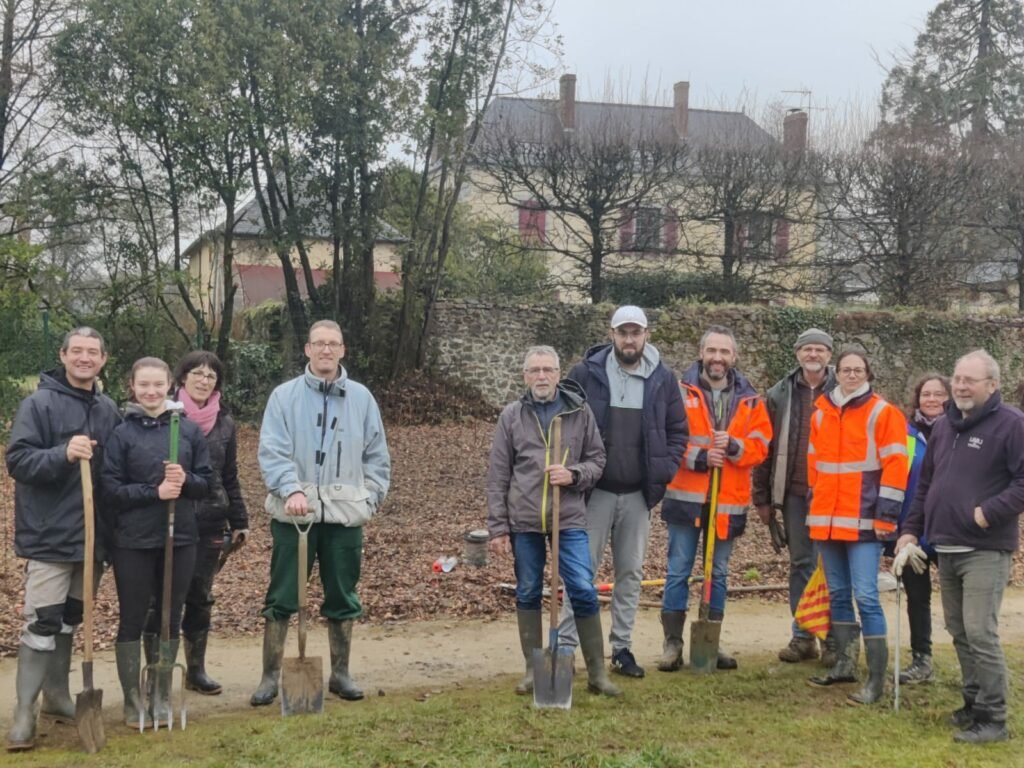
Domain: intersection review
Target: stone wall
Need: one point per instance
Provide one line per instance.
(483, 344)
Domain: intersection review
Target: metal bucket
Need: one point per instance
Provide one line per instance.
(475, 548)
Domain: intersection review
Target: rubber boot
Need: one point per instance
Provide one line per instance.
(129, 665)
(274, 634)
(672, 623)
(847, 637)
(57, 701)
(877, 652)
(196, 678)
(32, 669)
(531, 637)
(160, 695)
(723, 660)
(828, 650)
(339, 634)
(592, 646)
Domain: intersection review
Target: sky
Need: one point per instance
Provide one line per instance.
(737, 51)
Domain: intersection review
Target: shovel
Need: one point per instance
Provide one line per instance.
(552, 669)
(89, 703)
(302, 679)
(704, 633)
(162, 673)
(896, 661)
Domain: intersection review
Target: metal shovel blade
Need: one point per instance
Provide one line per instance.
(552, 678)
(704, 639)
(89, 719)
(302, 686)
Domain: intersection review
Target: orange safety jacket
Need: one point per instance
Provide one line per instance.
(750, 433)
(856, 469)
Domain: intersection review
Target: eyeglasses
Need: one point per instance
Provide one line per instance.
(195, 373)
(545, 369)
(852, 371)
(334, 346)
(969, 381)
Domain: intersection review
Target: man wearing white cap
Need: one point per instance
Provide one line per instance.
(640, 415)
(780, 483)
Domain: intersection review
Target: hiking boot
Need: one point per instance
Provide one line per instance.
(57, 701)
(877, 651)
(982, 732)
(274, 634)
(32, 669)
(799, 649)
(847, 639)
(339, 634)
(919, 671)
(129, 665)
(624, 663)
(963, 717)
(725, 661)
(196, 678)
(531, 637)
(672, 623)
(592, 646)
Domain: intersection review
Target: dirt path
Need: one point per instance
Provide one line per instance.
(419, 657)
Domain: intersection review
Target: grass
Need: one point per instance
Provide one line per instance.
(762, 715)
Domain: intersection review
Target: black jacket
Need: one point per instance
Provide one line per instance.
(663, 419)
(48, 523)
(133, 468)
(223, 509)
(977, 461)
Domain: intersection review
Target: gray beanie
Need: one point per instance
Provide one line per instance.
(813, 336)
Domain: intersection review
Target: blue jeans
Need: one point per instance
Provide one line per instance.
(530, 553)
(851, 570)
(682, 554)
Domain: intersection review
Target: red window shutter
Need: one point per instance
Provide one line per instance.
(740, 239)
(532, 222)
(524, 222)
(670, 231)
(781, 240)
(626, 229)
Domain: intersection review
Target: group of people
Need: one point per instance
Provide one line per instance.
(326, 466)
(850, 474)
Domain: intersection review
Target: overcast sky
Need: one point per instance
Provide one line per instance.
(736, 50)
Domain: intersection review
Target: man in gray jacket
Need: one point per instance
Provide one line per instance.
(522, 477)
(780, 482)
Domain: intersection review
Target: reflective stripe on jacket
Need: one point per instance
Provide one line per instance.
(750, 433)
(856, 469)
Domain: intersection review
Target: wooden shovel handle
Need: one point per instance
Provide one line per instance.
(88, 512)
(710, 533)
(303, 558)
(556, 451)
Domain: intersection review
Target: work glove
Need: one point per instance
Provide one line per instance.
(911, 555)
(777, 534)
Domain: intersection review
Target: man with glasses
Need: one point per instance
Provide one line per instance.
(326, 465)
(780, 482)
(967, 504)
(521, 479)
(67, 419)
(639, 412)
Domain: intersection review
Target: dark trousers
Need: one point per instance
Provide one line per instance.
(199, 598)
(139, 577)
(919, 608)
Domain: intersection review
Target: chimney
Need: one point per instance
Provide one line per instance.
(567, 101)
(681, 104)
(794, 132)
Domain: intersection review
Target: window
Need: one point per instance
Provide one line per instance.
(532, 223)
(647, 231)
(760, 236)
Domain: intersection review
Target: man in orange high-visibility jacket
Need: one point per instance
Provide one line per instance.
(729, 429)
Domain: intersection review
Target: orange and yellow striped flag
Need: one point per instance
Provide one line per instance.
(813, 613)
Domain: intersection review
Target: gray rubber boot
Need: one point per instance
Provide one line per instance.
(531, 637)
(672, 623)
(828, 650)
(592, 646)
(160, 695)
(339, 634)
(196, 678)
(847, 637)
(57, 701)
(129, 665)
(877, 652)
(32, 669)
(274, 634)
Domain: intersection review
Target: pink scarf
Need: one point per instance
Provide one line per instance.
(206, 416)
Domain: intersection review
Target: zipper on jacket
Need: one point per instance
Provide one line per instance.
(547, 461)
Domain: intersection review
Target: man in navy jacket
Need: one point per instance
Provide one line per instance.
(968, 499)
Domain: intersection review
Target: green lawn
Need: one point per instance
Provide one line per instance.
(762, 715)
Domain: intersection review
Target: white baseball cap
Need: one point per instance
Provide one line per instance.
(627, 315)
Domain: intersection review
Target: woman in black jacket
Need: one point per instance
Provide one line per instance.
(138, 482)
(222, 518)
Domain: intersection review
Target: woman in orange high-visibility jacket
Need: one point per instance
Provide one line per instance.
(857, 474)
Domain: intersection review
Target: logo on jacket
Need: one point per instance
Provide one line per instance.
(975, 443)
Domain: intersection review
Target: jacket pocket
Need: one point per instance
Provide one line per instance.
(338, 504)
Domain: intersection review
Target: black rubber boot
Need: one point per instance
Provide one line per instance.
(592, 646)
(672, 623)
(877, 652)
(32, 669)
(129, 665)
(196, 678)
(274, 634)
(847, 638)
(339, 634)
(531, 637)
(57, 701)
